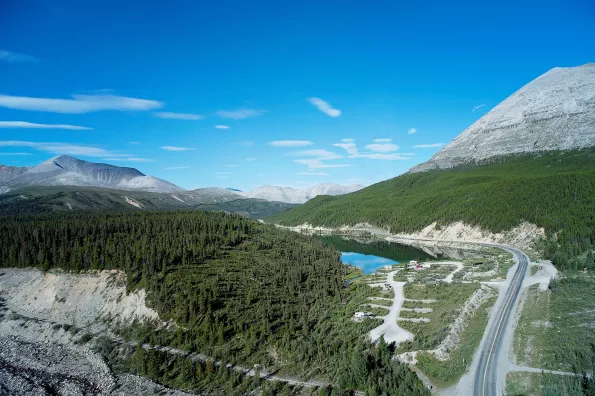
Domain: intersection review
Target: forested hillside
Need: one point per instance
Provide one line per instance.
(237, 290)
(554, 190)
(35, 200)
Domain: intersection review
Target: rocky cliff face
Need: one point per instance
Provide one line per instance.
(556, 111)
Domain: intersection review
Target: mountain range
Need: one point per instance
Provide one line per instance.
(297, 196)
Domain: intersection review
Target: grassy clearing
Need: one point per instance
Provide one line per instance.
(446, 373)
(541, 384)
(533, 269)
(450, 299)
(556, 329)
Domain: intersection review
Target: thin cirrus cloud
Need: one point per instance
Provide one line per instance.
(19, 154)
(351, 148)
(382, 148)
(320, 154)
(176, 167)
(290, 143)
(325, 107)
(221, 127)
(432, 145)
(317, 164)
(240, 114)
(178, 116)
(133, 142)
(177, 148)
(129, 159)
(411, 131)
(232, 166)
(382, 140)
(79, 104)
(64, 148)
(250, 159)
(312, 174)
(386, 157)
(477, 107)
(31, 125)
(14, 57)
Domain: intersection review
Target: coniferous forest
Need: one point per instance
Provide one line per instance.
(238, 291)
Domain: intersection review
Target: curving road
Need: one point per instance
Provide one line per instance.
(486, 376)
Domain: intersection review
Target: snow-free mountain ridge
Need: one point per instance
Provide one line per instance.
(297, 196)
(556, 111)
(65, 170)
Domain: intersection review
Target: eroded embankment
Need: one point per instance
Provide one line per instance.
(523, 236)
(78, 299)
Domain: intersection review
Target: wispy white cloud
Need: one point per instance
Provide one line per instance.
(290, 143)
(223, 173)
(383, 140)
(14, 57)
(176, 167)
(64, 148)
(80, 104)
(428, 145)
(320, 154)
(312, 174)
(133, 142)
(478, 107)
(250, 159)
(387, 157)
(176, 148)
(178, 116)
(382, 148)
(129, 159)
(317, 164)
(240, 113)
(31, 125)
(411, 131)
(221, 127)
(16, 154)
(325, 107)
(348, 140)
(232, 166)
(351, 148)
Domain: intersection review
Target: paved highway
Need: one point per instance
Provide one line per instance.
(486, 376)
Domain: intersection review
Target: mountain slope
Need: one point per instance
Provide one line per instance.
(40, 199)
(65, 170)
(7, 173)
(554, 190)
(556, 111)
(293, 195)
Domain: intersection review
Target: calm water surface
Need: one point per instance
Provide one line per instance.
(370, 255)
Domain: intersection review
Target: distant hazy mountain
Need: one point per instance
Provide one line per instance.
(556, 111)
(65, 170)
(293, 195)
(214, 194)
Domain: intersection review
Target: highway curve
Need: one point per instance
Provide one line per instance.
(486, 376)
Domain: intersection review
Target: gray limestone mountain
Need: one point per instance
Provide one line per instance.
(65, 170)
(556, 111)
(297, 196)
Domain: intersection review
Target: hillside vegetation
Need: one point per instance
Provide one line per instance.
(35, 200)
(237, 290)
(553, 190)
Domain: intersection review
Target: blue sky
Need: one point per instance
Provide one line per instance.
(152, 82)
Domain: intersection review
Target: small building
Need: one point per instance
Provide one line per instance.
(388, 267)
(413, 263)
